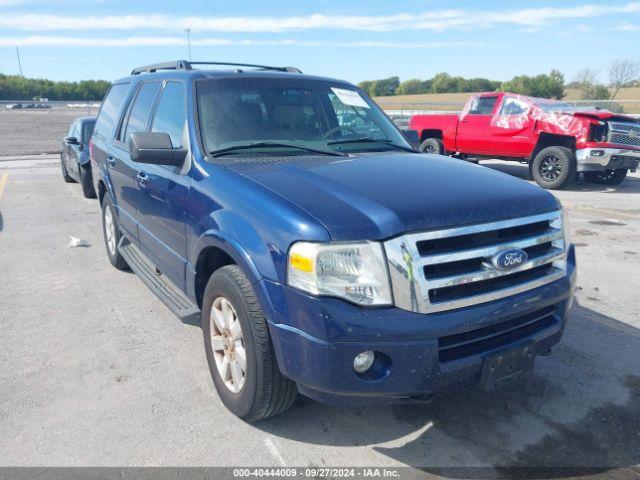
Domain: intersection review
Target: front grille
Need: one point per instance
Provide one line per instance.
(480, 340)
(454, 268)
(624, 133)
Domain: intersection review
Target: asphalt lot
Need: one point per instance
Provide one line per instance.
(95, 371)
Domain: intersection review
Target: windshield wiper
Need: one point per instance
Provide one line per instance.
(235, 148)
(371, 140)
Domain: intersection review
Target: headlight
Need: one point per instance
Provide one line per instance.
(354, 271)
(566, 227)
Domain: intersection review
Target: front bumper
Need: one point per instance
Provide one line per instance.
(598, 159)
(316, 340)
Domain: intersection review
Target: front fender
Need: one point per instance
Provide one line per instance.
(255, 256)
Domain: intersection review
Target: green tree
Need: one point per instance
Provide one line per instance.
(413, 86)
(545, 86)
(442, 83)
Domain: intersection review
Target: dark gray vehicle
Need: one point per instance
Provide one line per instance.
(74, 157)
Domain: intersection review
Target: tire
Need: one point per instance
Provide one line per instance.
(554, 168)
(432, 145)
(110, 223)
(65, 175)
(263, 391)
(606, 177)
(87, 183)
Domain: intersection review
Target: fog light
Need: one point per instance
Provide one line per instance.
(597, 153)
(363, 361)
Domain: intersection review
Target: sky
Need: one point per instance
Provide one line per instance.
(353, 40)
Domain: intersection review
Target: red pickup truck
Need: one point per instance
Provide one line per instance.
(557, 140)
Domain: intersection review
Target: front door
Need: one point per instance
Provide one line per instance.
(474, 125)
(165, 190)
(512, 128)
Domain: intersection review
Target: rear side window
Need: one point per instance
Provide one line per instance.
(482, 105)
(171, 114)
(109, 110)
(87, 130)
(140, 110)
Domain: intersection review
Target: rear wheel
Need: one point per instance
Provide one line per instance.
(606, 177)
(554, 167)
(432, 145)
(239, 351)
(112, 234)
(86, 182)
(65, 175)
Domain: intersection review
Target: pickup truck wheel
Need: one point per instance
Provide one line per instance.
(112, 234)
(606, 177)
(432, 145)
(554, 167)
(239, 351)
(65, 175)
(87, 183)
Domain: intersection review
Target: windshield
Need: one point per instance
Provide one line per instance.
(278, 114)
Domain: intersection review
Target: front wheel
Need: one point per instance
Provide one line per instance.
(432, 145)
(606, 177)
(239, 351)
(554, 167)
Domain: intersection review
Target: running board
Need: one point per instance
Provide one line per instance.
(164, 289)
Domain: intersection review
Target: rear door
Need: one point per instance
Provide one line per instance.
(108, 119)
(122, 170)
(73, 156)
(512, 127)
(474, 127)
(66, 148)
(165, 190)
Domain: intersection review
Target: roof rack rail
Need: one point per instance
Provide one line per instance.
(187, 65)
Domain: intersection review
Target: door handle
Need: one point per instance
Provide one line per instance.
(142, 179)
(111, 160)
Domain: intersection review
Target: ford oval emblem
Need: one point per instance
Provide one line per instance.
(509, 259)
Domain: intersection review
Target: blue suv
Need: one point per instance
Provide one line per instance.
(322, 253)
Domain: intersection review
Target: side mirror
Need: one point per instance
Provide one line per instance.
(155, 148)
(71, 141)
(412, 136)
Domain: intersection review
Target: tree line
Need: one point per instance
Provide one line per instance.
(15, 87)
(621, 73)
(546, 85)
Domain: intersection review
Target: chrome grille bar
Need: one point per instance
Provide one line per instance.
(414, 289)
(551, 235)
(489, 272)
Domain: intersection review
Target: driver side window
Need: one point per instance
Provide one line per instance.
(513, 106)
(171, 115)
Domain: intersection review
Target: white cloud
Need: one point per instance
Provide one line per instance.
(437, 20)
(155, 41)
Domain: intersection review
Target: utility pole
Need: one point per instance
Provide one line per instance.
(188, 32)
(19, 63)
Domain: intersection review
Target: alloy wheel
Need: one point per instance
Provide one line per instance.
(227, 344)
(110, 230)
(550, 168)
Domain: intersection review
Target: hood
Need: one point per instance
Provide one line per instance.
(600, 115)
(380, 196)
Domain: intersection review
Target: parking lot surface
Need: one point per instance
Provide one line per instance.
(95, 371)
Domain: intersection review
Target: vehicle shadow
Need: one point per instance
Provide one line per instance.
(630, 184)
(578, 414)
